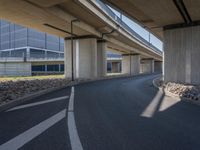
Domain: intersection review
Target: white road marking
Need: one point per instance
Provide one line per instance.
(39, 103)
(73, 133)
(71, 100)
(33, 132)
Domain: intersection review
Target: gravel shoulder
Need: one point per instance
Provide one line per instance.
(186, 92)
(13, 89)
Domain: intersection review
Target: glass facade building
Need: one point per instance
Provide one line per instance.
(17, 41)
(18, 38)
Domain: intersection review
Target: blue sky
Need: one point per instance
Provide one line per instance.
(140, 30)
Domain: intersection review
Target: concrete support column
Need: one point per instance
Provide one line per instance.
(158, 66)
(147, 66)
(181, 55)
(85, 58)
(119, 66)
(101, 59)
(88, 58)
(126, 68)
(152, 65)
(135, 64)
(131, 64)
(115, 67)
(68, 58)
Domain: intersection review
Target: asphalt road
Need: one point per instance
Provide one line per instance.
(117, 114)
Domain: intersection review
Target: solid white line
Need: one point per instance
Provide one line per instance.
(73, 133)
(39, 103)
(33, 132)
(71, 100)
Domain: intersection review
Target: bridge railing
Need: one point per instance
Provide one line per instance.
(126, 27)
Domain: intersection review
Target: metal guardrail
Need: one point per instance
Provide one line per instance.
(126, 27)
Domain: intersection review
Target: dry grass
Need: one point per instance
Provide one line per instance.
(4, 79)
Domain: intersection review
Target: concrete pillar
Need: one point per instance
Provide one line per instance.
(158, 66)
(114, 67)
(131, 64)
(181, 55)
(85, 58)
(101, 59)
(68, 59)
(135, 64)
(119, 66)
(88, 58)
(152, 65)
(126, 64)
(147, 66)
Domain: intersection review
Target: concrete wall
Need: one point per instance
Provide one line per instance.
(182, 55)
(15, 69)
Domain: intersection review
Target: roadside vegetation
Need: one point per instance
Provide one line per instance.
(15, 78)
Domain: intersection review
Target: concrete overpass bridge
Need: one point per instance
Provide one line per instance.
(176, 22)
(92, 28)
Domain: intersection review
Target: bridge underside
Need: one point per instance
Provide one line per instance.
(91, 37)
(177, 23)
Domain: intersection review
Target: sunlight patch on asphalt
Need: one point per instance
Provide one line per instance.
(151, 109)
(167, 103)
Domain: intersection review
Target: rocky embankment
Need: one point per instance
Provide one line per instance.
(11, 90)
(191, 92)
